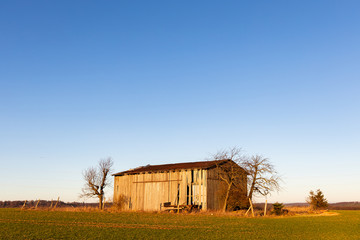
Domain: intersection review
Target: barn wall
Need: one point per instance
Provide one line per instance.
(215, 192)
(146, 191)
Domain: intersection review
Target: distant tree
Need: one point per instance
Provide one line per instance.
(229, 171)
(262, 176)
(317, 200)
(96, 179)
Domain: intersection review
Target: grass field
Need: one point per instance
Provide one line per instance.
(32, 224)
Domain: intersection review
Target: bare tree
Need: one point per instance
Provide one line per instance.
(262, 176)
(96, 179)
(229, 171)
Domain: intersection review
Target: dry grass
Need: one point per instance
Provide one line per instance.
(292, 211)
(299, 210)
(64, 209)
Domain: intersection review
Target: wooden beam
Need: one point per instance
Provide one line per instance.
(158, 181)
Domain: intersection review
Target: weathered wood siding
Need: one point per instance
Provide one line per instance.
(146, 191)
(215, 193)
(217, 190)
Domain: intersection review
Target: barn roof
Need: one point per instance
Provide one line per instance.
(174, 166)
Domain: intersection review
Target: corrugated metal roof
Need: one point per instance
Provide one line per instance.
(174, 166)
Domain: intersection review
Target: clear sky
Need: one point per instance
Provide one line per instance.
(153, 82)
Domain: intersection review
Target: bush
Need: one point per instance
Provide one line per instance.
(278, 208)
(121, 202)
(317, 200)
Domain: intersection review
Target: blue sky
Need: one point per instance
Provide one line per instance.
(152, 82)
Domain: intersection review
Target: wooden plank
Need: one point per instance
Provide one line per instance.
(179, 180)
(205, 190)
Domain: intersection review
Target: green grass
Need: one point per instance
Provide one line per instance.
(30, 224)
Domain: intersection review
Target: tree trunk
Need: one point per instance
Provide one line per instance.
(226, 197)
(252, 186)
(100, 201)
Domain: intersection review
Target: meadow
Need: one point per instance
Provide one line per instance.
(43, 224)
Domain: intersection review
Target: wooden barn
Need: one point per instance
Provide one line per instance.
(155, 187)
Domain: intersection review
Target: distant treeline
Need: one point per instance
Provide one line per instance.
(345, 206)
(332, 206)
(44, 203)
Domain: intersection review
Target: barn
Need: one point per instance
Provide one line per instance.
(153, 187)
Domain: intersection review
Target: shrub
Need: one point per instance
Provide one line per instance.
(121, 202)
(317, 200)
(278, 208)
